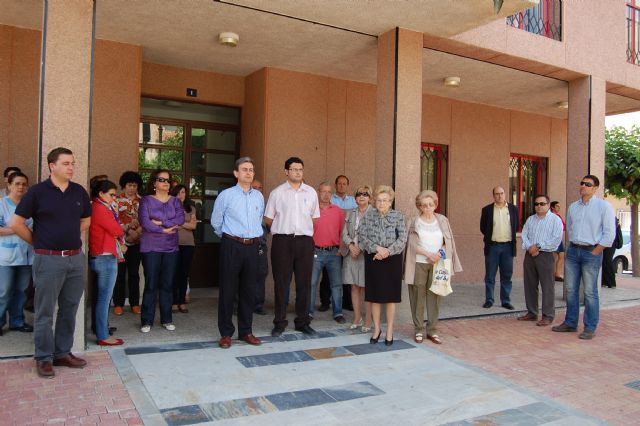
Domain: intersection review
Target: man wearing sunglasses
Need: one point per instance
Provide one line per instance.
(541, 236)
(591, 229)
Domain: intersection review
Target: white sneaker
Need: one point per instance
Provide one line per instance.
(145, 329)
(169, 326)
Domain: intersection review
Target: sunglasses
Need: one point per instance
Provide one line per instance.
(587, 184)
(362, 194)
(163, 180)
(539, 204)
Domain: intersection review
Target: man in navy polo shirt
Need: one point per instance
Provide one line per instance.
(61, 211)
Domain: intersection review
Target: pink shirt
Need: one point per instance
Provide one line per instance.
(327, 229)
(292, 210)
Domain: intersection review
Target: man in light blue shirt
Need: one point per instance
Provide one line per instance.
(340, 198)
(591, 229)
(541, 236)
(237, 219)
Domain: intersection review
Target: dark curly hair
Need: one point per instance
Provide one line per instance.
(131, 177)
(152, 179)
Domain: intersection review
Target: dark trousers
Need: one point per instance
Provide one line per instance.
(500, 257)
(289, 253)
(238, 276)
(263, 271)
(608, 270)
(128, 275)
(540, 269)
(58, 281)
(181, 279)
(159, 269)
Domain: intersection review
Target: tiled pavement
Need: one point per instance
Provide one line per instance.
(600, 377)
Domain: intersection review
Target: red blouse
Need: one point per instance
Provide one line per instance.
(103, 231)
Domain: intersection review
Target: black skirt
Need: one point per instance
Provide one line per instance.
(383, 279)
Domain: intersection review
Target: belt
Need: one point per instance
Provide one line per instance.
(583, 246)
(493, 243)
(326, 248)
(63, 253)
(292, 235)
(245, 241)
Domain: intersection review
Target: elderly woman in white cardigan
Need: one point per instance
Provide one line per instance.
(430, 239)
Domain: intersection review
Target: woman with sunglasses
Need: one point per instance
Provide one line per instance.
(353, 264)
(160, 215)
(430, 239)
(16, 258)
(106, 249)
(382, 235)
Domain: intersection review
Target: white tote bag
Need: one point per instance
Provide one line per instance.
(441, 281)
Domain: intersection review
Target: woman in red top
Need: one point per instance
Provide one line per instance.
(106, 246)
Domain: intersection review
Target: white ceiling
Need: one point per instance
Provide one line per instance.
(184, 33)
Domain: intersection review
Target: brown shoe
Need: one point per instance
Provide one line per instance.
(70, 361)
(528, 317)
(251, 339)
(563, 328)
(45, 369)
(225, 342)
(544, 322)
(118, 310)
(136, 309)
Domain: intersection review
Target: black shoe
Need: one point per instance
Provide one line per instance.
(388, 342)
(306, 329)
(324, 308)
(508, 306)
(563, 328)
(374, 341)
(277, 331)
(260, 311)
(340, 319)
(487, 305)
(112, 330)
(24, 328)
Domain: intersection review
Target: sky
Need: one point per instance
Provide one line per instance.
(624, 120)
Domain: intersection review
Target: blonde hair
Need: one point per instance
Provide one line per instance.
(427, 193)
(385, 189)
(365, 188)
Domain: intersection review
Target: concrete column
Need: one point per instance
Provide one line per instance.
(65, 93)
(585, 134)
(399, 114)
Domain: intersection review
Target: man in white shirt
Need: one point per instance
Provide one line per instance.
(291, 210)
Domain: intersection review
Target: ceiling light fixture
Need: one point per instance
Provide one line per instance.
(452, 81)
(562, 105)
(228, 39)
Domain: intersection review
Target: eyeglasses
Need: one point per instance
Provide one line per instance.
(163, 180)
(112, 195)
(296, 170)
(539, 204)
(587, 184)
(362, 194)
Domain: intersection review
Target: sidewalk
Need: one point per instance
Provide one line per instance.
(492, 370)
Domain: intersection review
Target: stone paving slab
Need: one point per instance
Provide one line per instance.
(592, 376)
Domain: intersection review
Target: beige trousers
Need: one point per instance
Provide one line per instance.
(418, 292)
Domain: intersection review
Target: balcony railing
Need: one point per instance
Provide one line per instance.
(633, 33)
(545, 19)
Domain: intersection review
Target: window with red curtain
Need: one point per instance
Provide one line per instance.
(527, 177)
(433, 176)
(545, 19)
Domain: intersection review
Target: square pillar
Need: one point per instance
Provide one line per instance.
(399, 115)
(585, 134)
(65, 94)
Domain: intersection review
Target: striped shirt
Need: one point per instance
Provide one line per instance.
(545, 232)
(387, 231)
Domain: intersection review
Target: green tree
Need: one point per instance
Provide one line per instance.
(622, 176)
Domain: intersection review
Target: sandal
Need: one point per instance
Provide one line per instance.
(355, 325)
(418, 338)
(435, 339)
(365, 329)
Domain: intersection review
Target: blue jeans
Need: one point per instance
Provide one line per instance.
(106, 269)
(327, 259)
(159, 270)
(500, 256)
(580, 264)
(14, 281)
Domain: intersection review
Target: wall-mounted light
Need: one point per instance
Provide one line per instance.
(562, 105)
(228, 39)
(451, 81)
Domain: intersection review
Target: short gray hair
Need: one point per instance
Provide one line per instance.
(242, 160)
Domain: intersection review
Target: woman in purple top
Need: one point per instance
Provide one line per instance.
(160, 216)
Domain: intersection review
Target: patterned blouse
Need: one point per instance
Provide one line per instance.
(387, 231)
(128, 215)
